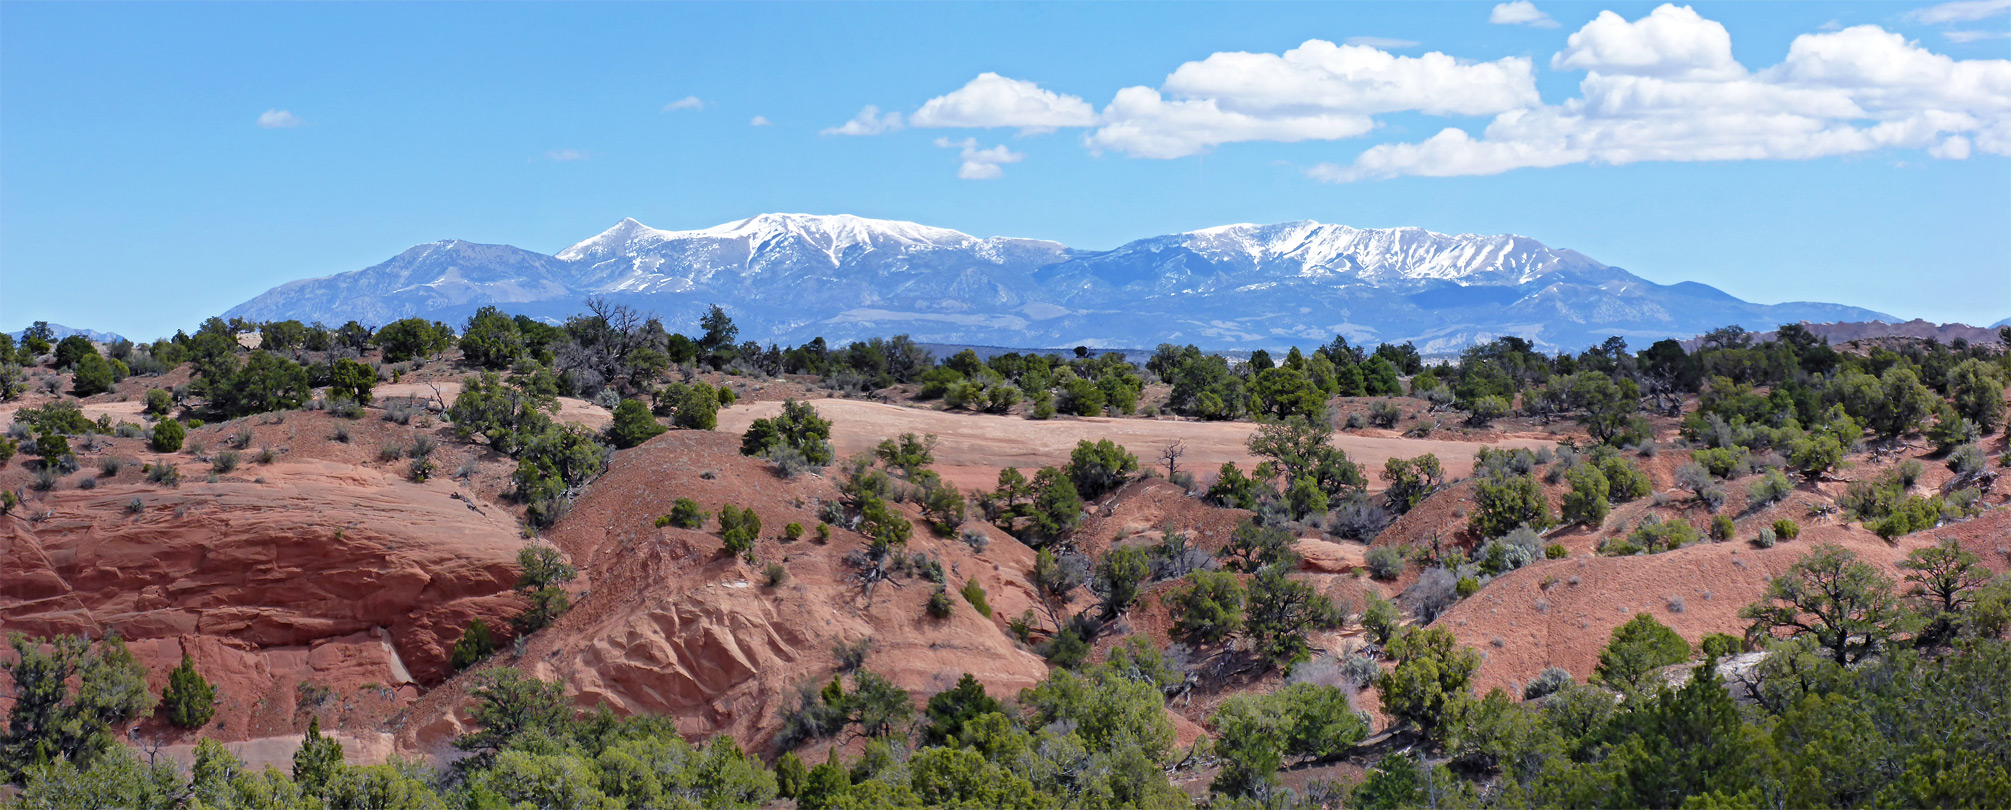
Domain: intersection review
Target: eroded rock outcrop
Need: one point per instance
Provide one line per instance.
(334, 575)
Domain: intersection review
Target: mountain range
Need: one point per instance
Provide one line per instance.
(787, 278)
(60, 331)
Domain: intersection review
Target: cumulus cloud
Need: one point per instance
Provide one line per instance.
(279, 119)
(759, 121)
(1955, 147)
(1142, 123)
(1520, 12)
(978, 163)
(1671, 42)
(869, 121)
(565, 155)
(1382, 42)
(686, 103)
(1666, 88)
(991, 100)
(1960, 11)
(1326, 77)
(1317, 91)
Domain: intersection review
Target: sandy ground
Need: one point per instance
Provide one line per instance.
(973, 447)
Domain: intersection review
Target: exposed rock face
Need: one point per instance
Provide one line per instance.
(674, 626)
(326, 573)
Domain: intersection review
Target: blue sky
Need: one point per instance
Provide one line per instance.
(163, 162)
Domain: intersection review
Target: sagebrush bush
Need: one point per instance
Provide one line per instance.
(1547, 682)
(940, 604)
(1772, 488)
(1385, 562)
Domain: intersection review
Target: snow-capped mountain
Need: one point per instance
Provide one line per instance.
(1394, 257)
(791, 277)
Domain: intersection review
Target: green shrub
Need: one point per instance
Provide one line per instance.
(351, 381)
(633, 424)
(1589, 500)
(1655, 534)
(1721, 645)
(684, 514)
(1625, 481)
(1772, 488)
(159, 401)
(94, 376)
(476, 643)
(1483, 411)
(739, 528)
(1100, 467)
(189, 700)
(1638, 648)
(1207, 607)
(975, 594)
(168, 436)
(1721, 528)
(793, 532)
(798, 427)
(1720, 462)
(1555, 551)
(1787, 529)
(939, 604)
(1504, 501)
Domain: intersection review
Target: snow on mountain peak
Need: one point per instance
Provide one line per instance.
(614, 241)
(833, 234)
(1378, 254)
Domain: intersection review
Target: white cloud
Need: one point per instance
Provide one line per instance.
(1317, 91)
(686, 103)
(1382, 42)
(1665, 88)
(759, 121)
(1141, 123)
(1955, 148)
(1324, 77)
(869, 121)
(980, 164)
(1975, 36)
(991, 100)
(1671, 42)
(1832, 25)
(1520, 12)
(1960, 11)
(565, 155)
(279, 119)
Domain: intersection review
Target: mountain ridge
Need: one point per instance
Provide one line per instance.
(790, 277)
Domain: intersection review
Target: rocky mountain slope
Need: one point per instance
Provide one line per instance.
(791, 277)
